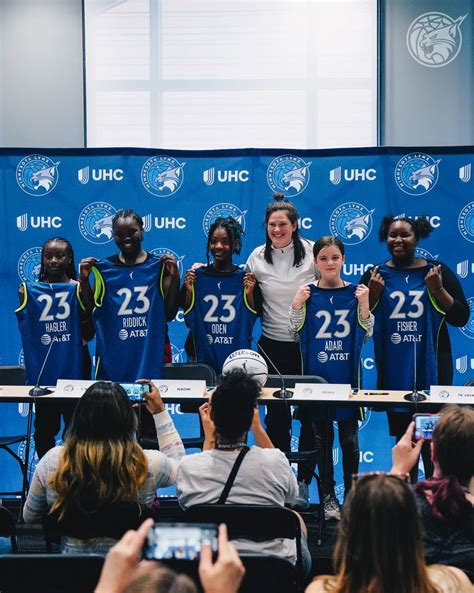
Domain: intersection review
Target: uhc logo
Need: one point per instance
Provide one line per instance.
(338, 174)
(85, 174)
(224, 176)
(463, 268)
(463, 363)
(38, 222)
(163, 222)
(465, 173)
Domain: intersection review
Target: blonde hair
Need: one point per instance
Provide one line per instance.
(100, 461)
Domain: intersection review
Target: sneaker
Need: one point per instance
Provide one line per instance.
(332, 512)
(302, 500)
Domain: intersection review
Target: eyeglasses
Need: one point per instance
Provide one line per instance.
(360, 476)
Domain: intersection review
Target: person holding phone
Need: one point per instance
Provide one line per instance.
(331, 319)
(445, 501)
(412, 299)
(134, 294)
(379, 545)
(124, 573)
(101, 463)
(55, 328)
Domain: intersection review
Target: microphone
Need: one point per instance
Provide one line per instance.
(36, 391)
(282, 393)
(415, 396)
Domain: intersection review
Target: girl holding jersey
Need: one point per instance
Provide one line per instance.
(331, 317)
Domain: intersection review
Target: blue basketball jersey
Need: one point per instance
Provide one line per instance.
(220, 319)
(130, 320)
(50, 317)
(407, 324)
(331, 339)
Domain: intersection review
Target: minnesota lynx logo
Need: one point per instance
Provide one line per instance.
(29, 264)
(95, 222)
(468, 329)
(159, 251)
(416, 173)
(466, 222)
(288, 174)
(351, 222)
(424, 254)
(162, 175)
(177, 354)
(434, 39)
(224, 209)
(37, 174)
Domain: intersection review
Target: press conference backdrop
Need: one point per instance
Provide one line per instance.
(75, 193)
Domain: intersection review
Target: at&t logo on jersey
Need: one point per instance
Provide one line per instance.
(29, 264)
(351, 222)
(338, 174)
(416, 173)
(162, 175)
(95, 222)
(37, 174)
(468, 329)
(225, 176)
(159, 251)
(84, 175)
(224, 209)
(38, 222)
(466, 222)
(434, 39)
(289, 174)
(463, 268)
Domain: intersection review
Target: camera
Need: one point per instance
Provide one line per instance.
(136, 391)
(179, 541)
(424, 425)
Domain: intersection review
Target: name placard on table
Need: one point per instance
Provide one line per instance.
(451, 394)
(323, 391)
(167, 387)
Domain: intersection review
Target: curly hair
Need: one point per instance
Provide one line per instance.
(234, 231)
(421, 226)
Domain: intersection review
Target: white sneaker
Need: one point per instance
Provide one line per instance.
(302, 500)
(332, 512)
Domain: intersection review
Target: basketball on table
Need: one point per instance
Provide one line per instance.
(249, 361)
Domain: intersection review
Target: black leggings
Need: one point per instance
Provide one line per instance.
(287, 358)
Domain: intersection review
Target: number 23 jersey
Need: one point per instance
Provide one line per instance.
(50, 316)
(219, 317)
(407, 324)
(130, 320)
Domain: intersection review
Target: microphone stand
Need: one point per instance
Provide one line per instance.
(37, 391)
(282, 393)
(415, 396)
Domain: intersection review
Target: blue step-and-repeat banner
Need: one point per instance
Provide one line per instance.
(75, 193)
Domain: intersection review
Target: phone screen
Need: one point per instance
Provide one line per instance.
(136, 391)
(424, 425)
(180, 541)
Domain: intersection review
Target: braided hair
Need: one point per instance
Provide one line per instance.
(71, 267)
(128, 213)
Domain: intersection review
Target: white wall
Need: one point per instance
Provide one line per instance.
(41, 77)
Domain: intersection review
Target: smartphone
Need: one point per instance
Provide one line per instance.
(424, 425)
(136, 391)
(179, 541)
